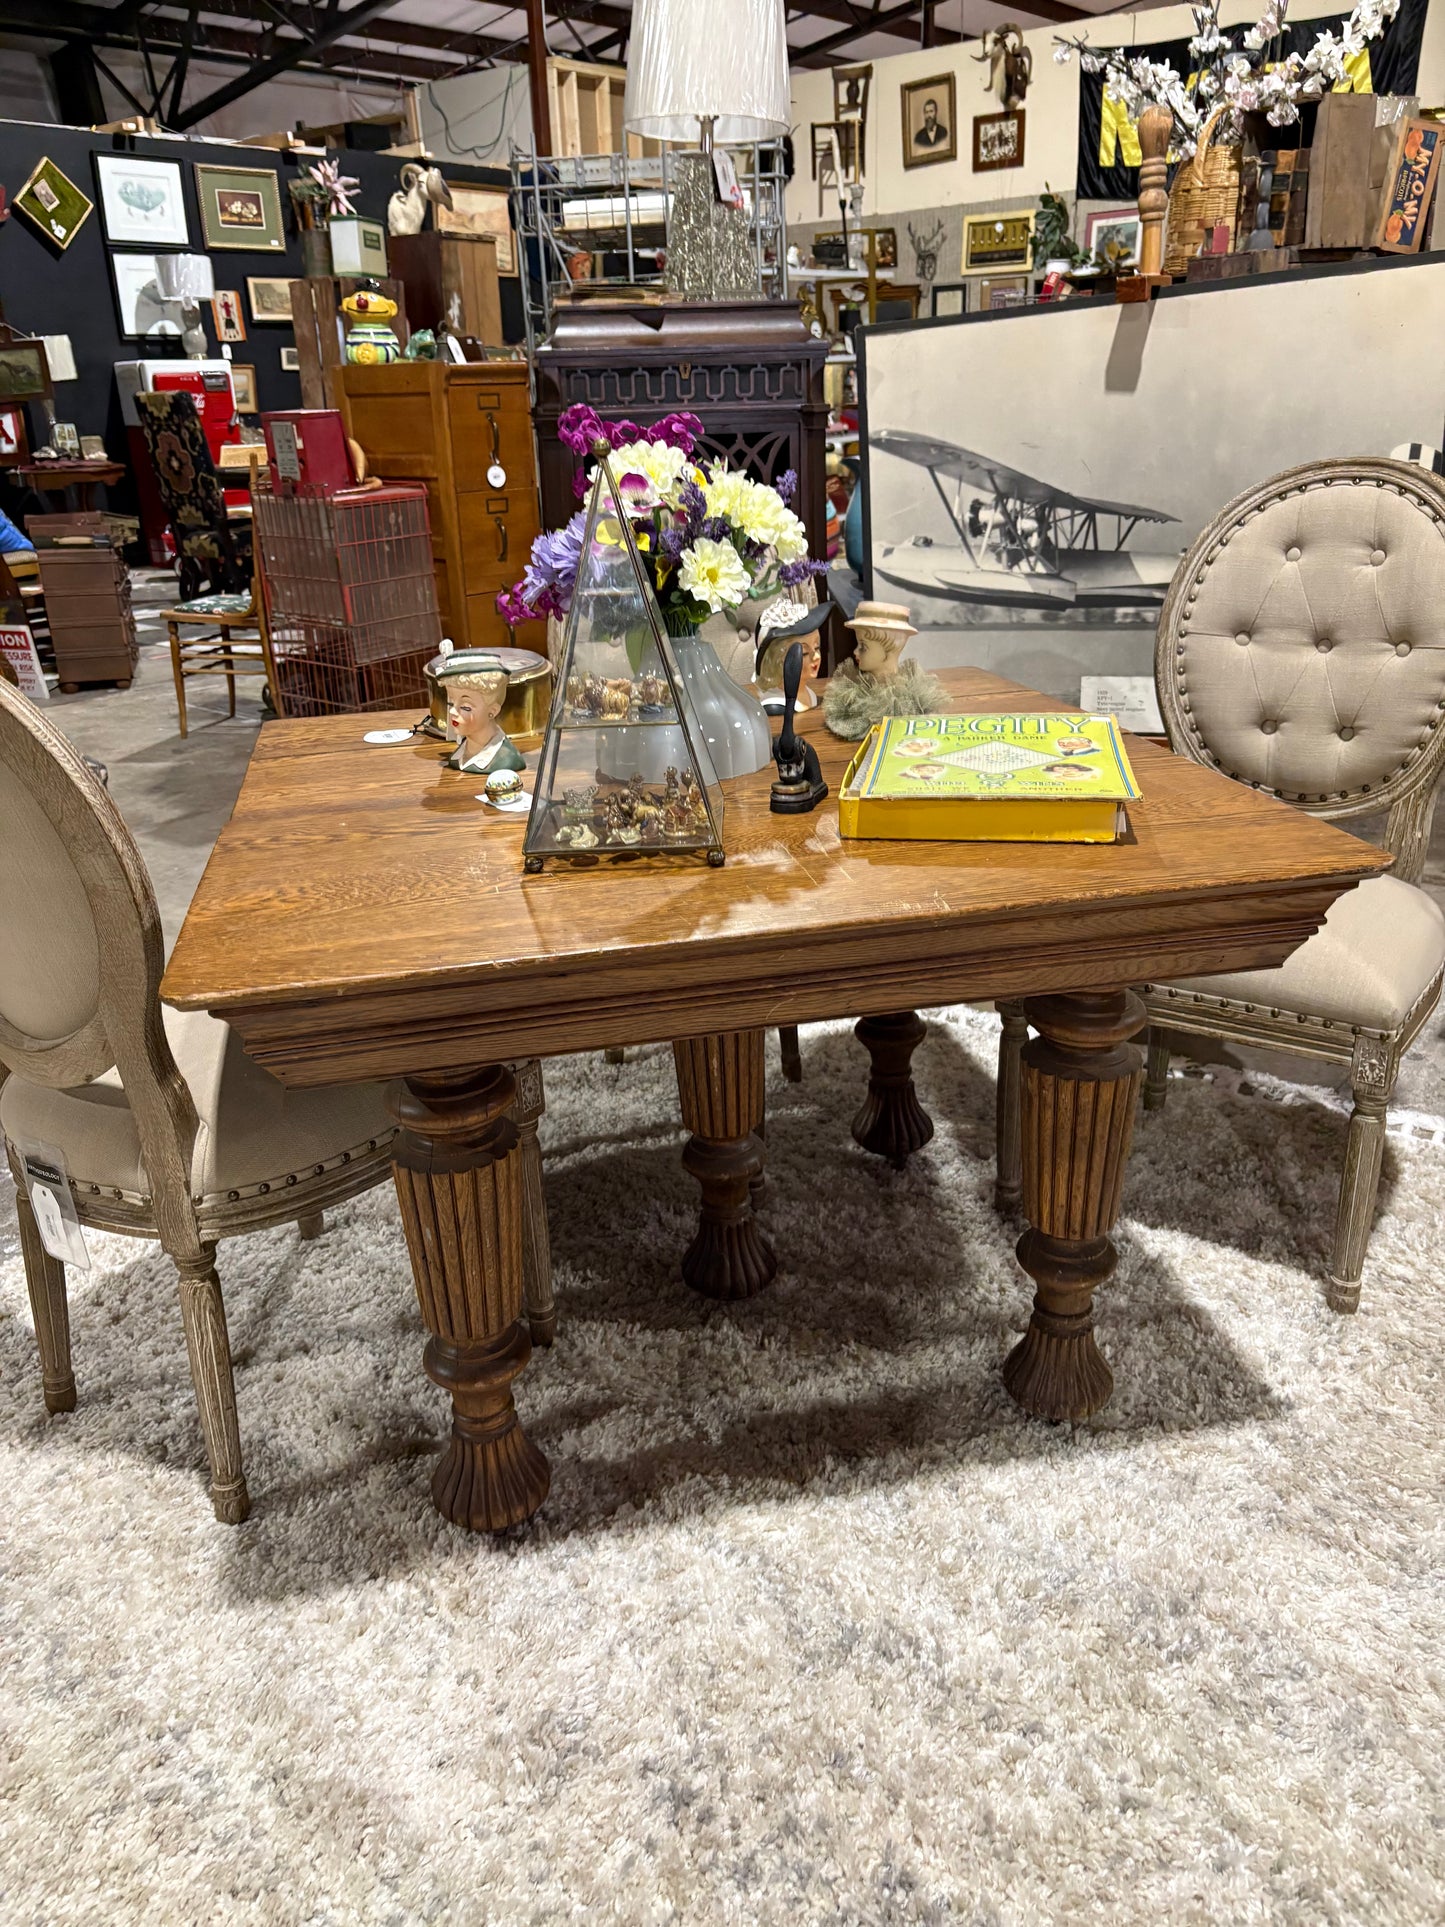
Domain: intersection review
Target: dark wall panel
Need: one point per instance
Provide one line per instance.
(43, 292)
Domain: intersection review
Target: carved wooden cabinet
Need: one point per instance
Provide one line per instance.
(446, 426)
(749, 370)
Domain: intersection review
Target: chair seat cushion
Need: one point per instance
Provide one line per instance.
(253, 1130)
(1375, 956)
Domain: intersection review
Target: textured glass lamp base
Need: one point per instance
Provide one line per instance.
(710, 252)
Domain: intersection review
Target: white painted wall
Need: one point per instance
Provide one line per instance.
(1052, 107)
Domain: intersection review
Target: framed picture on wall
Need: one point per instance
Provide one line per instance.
(243, 386)
(240, 207)
(995, 242)
(930, 121)
(270, 298)
(53, 202)
(291, 360)
(481, 210)
(142, 202)
(997, 291)
(143, 312)
(13, 444)
(950, 297)
(998, 140)
(1113, 226)
(226, 313)
(24, 369)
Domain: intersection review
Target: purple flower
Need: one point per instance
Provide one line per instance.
(787, 484)
(620, 433)
(715, 528)
(679, 431)
(512, 606)
(671, 543)
(552, 572)
(792, 573)
(579, 427)
(694, 504)
(580, 484)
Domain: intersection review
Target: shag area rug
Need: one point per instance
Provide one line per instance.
(815, 1626)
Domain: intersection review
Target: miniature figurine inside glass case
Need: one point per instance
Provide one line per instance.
(624, 771)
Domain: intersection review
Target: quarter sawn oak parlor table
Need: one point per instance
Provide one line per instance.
(364, 916)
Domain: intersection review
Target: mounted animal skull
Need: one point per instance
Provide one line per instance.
(925, 251)
(406, 210)
(1010, 64)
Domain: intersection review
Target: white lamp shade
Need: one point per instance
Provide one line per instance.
(727, 59)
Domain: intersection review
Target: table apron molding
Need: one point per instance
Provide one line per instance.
(389, 1033)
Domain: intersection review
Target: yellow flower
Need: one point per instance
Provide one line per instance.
(713, 572)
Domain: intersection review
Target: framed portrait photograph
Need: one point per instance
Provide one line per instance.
(930, 121)
(142, 202)
(291, 360)
(998, 140)
(1120, 225)
(243, 386)
(481, 211)
(995, 242)
(53, 203)
(240, 208)
(270, 298)
(144, 313)
(226, 313)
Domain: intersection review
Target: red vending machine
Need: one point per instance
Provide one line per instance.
(209, 385)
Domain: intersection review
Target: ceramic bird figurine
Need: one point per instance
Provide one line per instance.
(406, 210)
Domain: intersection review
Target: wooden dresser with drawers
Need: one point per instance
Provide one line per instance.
(464, 432)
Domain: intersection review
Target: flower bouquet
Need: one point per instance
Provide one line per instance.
(709, 536)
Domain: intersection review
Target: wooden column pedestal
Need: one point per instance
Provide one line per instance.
(720, 1087)
(1079, 1082)
(891, 1122)
(459, 1181)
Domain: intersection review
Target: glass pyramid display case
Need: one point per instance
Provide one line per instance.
(624, 771)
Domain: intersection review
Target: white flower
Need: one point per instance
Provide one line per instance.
(662, 465)
(758, 511)
(713, 573)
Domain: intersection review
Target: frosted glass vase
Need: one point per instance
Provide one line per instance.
(734, 723)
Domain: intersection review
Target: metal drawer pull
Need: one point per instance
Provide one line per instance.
(501, 538)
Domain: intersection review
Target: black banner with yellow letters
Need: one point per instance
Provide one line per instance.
(1109, 145)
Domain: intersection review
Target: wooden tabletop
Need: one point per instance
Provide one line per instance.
(66, 472)
(364, 915)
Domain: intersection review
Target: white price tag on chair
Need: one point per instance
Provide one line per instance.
(48, 1182)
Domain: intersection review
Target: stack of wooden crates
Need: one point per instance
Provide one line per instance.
(87, 608)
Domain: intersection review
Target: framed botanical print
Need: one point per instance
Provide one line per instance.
(930, 121)
(226, 313)
(240, 208)
(993, 243)
(480, 210)
(1113, 227)
(54, 204)
(270, 298)
(243, 386)
(142, 202)
(998, 140)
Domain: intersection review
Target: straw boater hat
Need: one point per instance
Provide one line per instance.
(893, 616)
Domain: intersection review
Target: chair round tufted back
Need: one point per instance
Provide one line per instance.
(1302, 645)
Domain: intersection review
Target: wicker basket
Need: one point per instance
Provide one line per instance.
(1205, 194)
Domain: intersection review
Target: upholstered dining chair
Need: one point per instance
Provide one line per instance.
(1301, 650)
(167, 1128)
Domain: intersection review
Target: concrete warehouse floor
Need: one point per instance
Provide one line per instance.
(176, 795)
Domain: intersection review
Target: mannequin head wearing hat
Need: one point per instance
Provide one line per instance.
(781, 624)
(880, 630)
(476, 690)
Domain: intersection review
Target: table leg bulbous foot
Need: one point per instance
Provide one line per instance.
(459, 1181)
(1079, 1083)
(891, 1123)
(720, 1088)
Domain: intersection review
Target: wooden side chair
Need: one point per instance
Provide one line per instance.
(1301, 650)
(234, 641)
(168, 1130)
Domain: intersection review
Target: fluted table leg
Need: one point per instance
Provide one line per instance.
(720, 1087)
(1080, 1079)
(459, 1181)
(891, 1122)
(536, 1240)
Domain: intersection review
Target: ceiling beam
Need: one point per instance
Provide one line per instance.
(386, 31)
(288, 55)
